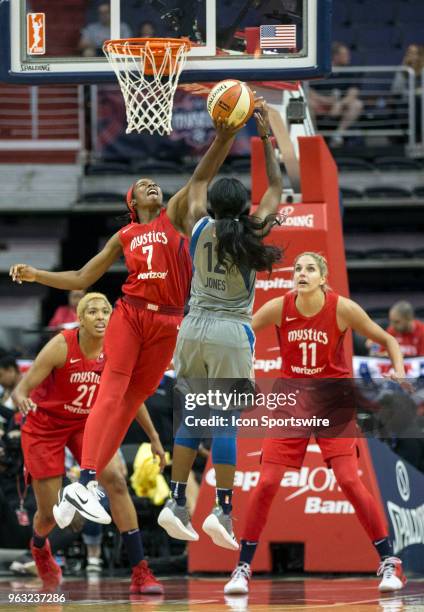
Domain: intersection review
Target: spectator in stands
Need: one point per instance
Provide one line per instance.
(147, 29)
(339, 101)
(66, 316)
(408, 331)
(414, 58)
(94, 34)
(10, 375)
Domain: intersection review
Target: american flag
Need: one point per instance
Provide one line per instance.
(278, 37)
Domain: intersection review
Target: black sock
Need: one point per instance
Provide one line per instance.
(384, 548)
(37, 540)
(224, 497)
(247, 552)
(86, 476)
(134, 545)
(178, 490)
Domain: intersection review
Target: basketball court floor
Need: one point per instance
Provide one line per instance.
(206, 595)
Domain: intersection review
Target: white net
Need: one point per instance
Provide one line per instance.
(148, 77)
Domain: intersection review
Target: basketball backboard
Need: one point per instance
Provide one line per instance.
(42, 41)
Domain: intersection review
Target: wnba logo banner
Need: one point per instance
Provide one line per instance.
(36, 33)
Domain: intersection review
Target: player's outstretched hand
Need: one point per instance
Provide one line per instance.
(262, 119)
(226, 130)
(22, 272)
(159, 452)
(25, 405)
(401, 381)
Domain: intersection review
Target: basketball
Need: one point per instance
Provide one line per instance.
(232, 100)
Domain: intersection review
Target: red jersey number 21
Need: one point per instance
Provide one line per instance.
(83, 390)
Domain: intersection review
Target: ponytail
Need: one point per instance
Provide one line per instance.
(240, 242)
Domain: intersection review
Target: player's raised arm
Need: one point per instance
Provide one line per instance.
(268, 314)
(51, 356)
(189, 204)
(271, 199)
(72, 279)
(350, 314)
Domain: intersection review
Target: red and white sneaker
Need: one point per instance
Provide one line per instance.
(143, 580)
(393, 577)
(48, 570)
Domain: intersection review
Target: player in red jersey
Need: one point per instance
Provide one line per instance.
(141, 337)
(311, 322)
(56, 396)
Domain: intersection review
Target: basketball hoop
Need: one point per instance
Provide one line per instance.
(148, 70)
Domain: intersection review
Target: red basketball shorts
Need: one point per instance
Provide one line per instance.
(291, 451)
(43, 444)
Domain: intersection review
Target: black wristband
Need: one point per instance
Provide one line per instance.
(265, 138)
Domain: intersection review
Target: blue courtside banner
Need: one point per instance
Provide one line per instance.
(402, 492)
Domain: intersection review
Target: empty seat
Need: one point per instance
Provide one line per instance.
(419, 313)
(354, 255)
(102, 197)
(374, 36)
(364, 12)
(20, 312)
(43, 253)
(241, 164)
(419, 191)
(108, 168)
(379, 312)
(412, 33)
(157, 166)
(410, 12)
(396, 163)
(341, 15)
(350, 193)
(387, 191)
(386, 253)
(345, 34)
(386, 56)
(354, 164)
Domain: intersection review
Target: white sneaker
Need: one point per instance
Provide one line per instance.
(94, 566)
(176, 522)
(63, 511)
(83, 499)
(393, 577)
(219, 527)
(239, 582)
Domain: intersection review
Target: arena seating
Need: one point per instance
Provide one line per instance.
(382, 44)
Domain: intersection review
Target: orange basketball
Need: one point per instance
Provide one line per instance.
(232, 100)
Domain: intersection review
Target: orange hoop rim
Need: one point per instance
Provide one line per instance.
(125, 46)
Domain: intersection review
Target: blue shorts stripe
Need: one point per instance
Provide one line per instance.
(250, 335)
